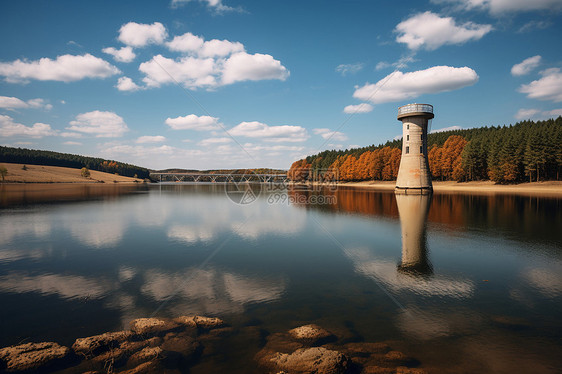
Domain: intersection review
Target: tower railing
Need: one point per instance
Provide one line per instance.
(415, 108)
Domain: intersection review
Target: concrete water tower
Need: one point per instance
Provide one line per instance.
(414, 176)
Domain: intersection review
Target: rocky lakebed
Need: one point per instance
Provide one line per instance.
(196, 344)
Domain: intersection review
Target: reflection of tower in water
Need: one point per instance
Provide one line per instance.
(413, 210)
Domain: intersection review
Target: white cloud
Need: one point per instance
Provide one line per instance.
(399, 86)
(526, 113)
(192, 72)
(125, 54)
(7, 102)
(10, 128)
(209, 64)
(72, 143)
(186, 43)
(549, 87)
(283, 133)
(450, 128)
(220, 48)
(329, 134)
(101, 124)
(193, 122)
(535, 114)
(344, 69)
(213, 141)
(430, 31)
(66, 68)
(243, 66)
(498, 7)
(138, 150)
(70, 135)
(127, 84)
(151, 139)
(140, 35)
(359, 108)
(216, 5)
(526, 66)
(554, 112)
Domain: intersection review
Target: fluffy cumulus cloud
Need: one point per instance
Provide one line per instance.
(127, 84)
(192, 72)
(209, 64)
(243, 66)
(98, 123)
(345, 69)
(331, 135)
(151, 139)
(66, 68)
(7, 102)
(450, 128)
(10, 128)
(359, 108)
(214, 141)
(283, 133)
(498, 7)
(399, 86)
(193, 122)
(526, 66)
(430, 31)
(549, 87)
(140, 35)
(125, 54)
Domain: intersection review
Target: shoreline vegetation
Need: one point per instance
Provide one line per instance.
(39, 174)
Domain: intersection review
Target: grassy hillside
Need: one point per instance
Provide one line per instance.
(56, 174)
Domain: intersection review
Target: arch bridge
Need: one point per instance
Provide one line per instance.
(220, 178)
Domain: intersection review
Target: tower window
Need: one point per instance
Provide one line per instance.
(421, 137)
(421, 149)
(407, 127)
(407, 150)
(407, 137)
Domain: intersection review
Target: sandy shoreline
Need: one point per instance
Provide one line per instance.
(549, 188)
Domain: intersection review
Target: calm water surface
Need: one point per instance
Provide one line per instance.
(464, 283)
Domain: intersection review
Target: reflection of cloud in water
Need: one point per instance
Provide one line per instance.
(9, 255)
(434, 323)
(547, 281)
(23, 225)
(65, 286)
(385, 271)
(98, 234)
(244, 290)
(190, 234)
(210, 291)
(126, 273)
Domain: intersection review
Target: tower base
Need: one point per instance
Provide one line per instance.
(413, 190)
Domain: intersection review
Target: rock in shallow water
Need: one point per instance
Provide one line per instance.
(99, 343)
(33, 356)
(311, 334)
(316, 360)
(152, 326)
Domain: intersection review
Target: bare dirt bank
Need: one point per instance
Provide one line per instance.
(55, 174)
(550, 188)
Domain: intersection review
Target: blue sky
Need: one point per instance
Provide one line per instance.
(234, 84)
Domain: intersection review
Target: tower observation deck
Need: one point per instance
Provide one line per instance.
(414, 176)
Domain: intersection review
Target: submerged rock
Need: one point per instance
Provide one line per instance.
(99, 343)
(308, 360)
(311, 334)
(33, 356)
(200, 322)
(152, 326)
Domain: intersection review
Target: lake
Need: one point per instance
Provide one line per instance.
(463, 283)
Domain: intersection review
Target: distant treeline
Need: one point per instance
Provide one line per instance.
(528, 150)
(49, 158)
